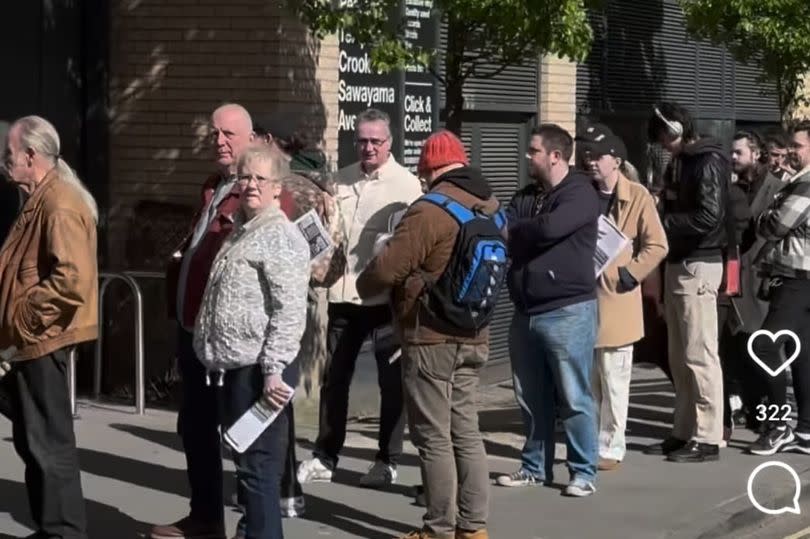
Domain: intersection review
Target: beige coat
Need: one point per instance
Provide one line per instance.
(620, 315)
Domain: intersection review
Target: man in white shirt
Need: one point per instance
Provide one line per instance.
(368, 192)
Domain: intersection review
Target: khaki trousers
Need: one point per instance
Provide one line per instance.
(440, 383)
(691, 311)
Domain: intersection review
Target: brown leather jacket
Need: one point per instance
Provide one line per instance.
(49, 273)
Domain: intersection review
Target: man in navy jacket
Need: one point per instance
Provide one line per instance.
(552, 238)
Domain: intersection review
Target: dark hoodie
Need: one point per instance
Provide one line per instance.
(420, 251)
(552, 239)
(695, 199)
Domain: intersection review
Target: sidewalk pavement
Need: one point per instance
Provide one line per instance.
(133, 475)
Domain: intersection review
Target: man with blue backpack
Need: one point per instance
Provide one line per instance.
(445, 266)
(552, 280)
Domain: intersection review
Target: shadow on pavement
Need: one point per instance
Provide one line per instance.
(104, 521)
(159, 437)
(501, 420)
(367, 454)
(658, 401)
(652, 386)
(350, 478)
(645, 430)
(645, 414)
(134, 472)
(497, 449)
(350, 520)
(137, 472)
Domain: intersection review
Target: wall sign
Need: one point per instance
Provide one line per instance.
(408, 96)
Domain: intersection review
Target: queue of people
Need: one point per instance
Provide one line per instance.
(418, 264)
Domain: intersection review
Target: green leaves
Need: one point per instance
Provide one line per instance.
(486, 31)
(772, 34)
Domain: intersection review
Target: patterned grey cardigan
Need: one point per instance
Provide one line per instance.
(254, 308)
(786, 225)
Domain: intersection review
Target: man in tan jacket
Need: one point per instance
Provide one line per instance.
(631, 208)
(48, 303)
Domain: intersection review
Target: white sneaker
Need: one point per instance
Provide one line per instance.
(579, 488)
(379, 475)
(313, 471)
(292, 507)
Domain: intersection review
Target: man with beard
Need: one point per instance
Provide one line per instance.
(738, 317)
(552, 239)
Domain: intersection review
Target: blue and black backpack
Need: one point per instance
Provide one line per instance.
(463, 299)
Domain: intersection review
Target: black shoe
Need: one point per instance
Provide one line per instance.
(664, 448)
(772, 441)
(419, 497)
(739, 418)
(695, 452)
(798, 444)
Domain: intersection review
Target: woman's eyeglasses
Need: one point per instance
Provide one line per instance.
(246, 178)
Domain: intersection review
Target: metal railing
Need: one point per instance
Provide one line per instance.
(128, 277)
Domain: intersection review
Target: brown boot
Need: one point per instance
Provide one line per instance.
(607, 465)
(421, 534)
(188, 528)
(478, 534)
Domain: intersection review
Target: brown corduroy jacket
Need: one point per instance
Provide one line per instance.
(421, 248)
(49, 273)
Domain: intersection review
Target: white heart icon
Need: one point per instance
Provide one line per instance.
(774, 337)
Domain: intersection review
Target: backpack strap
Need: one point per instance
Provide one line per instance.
(500, 219)
(459, 212)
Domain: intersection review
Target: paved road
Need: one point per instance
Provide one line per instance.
(133, 475)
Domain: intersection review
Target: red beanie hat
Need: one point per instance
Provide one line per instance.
(440, 149)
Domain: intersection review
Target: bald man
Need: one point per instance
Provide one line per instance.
(231, 132)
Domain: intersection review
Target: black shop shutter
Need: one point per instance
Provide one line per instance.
(498, 149)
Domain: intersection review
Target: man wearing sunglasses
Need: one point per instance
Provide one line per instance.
(368, 193)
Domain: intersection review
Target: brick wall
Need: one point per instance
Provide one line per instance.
(557, 96)
(172, 62)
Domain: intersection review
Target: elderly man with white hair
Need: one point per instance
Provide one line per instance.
(48, 303)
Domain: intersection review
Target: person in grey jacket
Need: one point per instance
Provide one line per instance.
(249, 329)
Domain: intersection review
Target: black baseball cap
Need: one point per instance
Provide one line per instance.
(592, 133)
(603, 143)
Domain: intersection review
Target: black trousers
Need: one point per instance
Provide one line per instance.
(740, 374)
(290, 487)
(789, 310)
(42, 424)
(349, 326)
(198, 426)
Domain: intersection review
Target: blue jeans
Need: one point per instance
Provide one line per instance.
(552, 358)
(259, 469)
